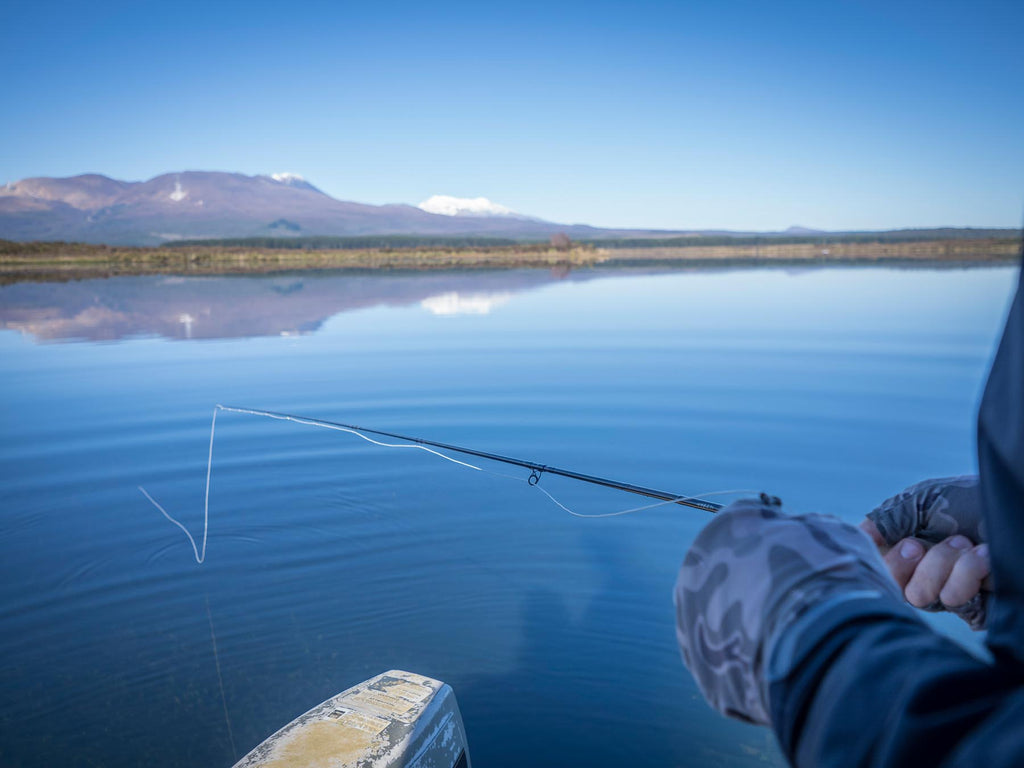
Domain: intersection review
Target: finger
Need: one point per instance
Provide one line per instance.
(903, 559)
(965, 580)
(869, 527)
(934, 570)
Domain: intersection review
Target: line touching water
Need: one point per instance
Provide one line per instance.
(200, 550)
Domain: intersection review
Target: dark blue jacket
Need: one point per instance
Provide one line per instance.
(889, 692)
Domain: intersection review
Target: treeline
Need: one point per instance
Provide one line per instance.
(345, 243)
(414, 242)
(823, 238)
(32, 247)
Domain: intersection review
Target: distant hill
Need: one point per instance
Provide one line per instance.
(203, 204)
(788, 237)
(208, 205)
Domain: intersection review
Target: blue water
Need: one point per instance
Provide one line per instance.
(331, 560)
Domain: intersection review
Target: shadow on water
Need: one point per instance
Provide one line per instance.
(607, 687)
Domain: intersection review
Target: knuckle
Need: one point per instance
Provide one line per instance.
(971, 565)
(920, 592)
(964, 581)
(956, 593)
(938, 561)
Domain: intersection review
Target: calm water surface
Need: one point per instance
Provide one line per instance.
(331, 560)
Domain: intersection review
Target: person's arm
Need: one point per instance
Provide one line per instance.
(1001, 466)
(885, 692)
(795, 622)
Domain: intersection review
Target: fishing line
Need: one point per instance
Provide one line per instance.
(645, 507)
(329, 425)
(220, 681)
(536, 472)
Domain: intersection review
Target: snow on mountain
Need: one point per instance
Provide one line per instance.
(446, 205)
(293, 180)
(178, 194)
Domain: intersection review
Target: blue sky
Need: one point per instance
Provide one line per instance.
(743, 115)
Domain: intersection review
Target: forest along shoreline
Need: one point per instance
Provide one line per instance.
(58, 261)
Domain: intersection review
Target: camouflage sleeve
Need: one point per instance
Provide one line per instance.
(751, 577)
(934, 510)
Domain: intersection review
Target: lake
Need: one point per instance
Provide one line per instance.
(330, 559)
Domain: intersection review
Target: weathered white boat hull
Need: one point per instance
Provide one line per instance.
(394, 720)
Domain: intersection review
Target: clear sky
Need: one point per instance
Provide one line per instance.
(717, 114)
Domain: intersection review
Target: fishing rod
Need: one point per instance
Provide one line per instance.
(536, 470)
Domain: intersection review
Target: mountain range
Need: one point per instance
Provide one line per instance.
(93, 208)
(192, 205)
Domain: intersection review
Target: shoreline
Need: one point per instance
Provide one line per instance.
(58, 262)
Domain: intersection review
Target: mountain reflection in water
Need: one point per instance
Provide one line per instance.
(109, 309)
(331, 559)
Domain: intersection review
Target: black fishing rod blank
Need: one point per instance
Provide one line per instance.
(536, 470)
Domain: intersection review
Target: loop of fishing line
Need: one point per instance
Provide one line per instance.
(533, 480)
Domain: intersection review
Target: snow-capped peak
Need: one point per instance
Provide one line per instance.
(464, 206)
(291, 180)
